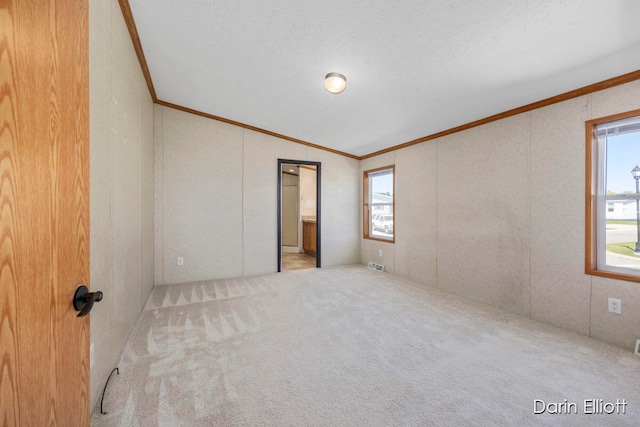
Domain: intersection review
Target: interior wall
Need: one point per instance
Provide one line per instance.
(121, 156)
(216, 198)
(290, 216)
(497, 214)
(307, 192)
(375, 250)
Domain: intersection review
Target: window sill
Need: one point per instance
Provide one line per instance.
(380, 239)
(611, 275)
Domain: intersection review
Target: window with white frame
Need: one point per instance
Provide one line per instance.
(379, 204)
(613, 196)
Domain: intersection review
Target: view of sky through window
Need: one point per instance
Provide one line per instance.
(383, 184)
(623, 154)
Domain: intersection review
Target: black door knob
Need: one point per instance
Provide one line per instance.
(83, 300)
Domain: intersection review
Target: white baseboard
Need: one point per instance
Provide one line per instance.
(291, 249)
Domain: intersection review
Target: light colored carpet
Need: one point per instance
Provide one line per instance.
(347, 346)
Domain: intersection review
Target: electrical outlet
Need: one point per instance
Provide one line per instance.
(615, 306)
(180, 260)
(379, 252)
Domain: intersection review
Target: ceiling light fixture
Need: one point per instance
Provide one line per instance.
(335, 82)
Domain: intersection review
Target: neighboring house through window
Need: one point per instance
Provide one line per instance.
(613, 196)
(379, 204)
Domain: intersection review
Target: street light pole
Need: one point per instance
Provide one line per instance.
(636, 174)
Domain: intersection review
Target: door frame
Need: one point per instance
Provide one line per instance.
(318, 166)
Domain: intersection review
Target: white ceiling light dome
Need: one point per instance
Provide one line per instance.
(335, 82)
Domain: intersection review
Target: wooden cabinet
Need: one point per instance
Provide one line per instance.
(309, 237)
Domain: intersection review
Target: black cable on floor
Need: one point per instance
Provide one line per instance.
(117, 371)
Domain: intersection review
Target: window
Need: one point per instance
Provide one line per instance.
(378, 204)
(613, 196)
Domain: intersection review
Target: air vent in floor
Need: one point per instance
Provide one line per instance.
(374, 266)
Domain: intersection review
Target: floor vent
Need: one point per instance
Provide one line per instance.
(374, 266)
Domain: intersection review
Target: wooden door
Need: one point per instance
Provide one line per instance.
(44, 209)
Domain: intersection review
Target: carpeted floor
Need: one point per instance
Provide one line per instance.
(347, 346)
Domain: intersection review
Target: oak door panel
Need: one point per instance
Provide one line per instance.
(44, 208)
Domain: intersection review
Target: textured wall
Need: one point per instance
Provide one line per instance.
(369, 248)
(307, 192)
(340, 207)
(496, 214)
(121, 125)
(482, 214)
(216, 199)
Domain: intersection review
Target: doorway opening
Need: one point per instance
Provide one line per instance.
(298, 214)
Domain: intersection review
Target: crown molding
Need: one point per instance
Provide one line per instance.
(135, 39)
(606, 84)
(253, 128)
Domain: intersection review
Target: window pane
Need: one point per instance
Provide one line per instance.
(618, 196)
(381, 204)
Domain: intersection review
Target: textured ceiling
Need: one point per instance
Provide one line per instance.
(413, 68)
